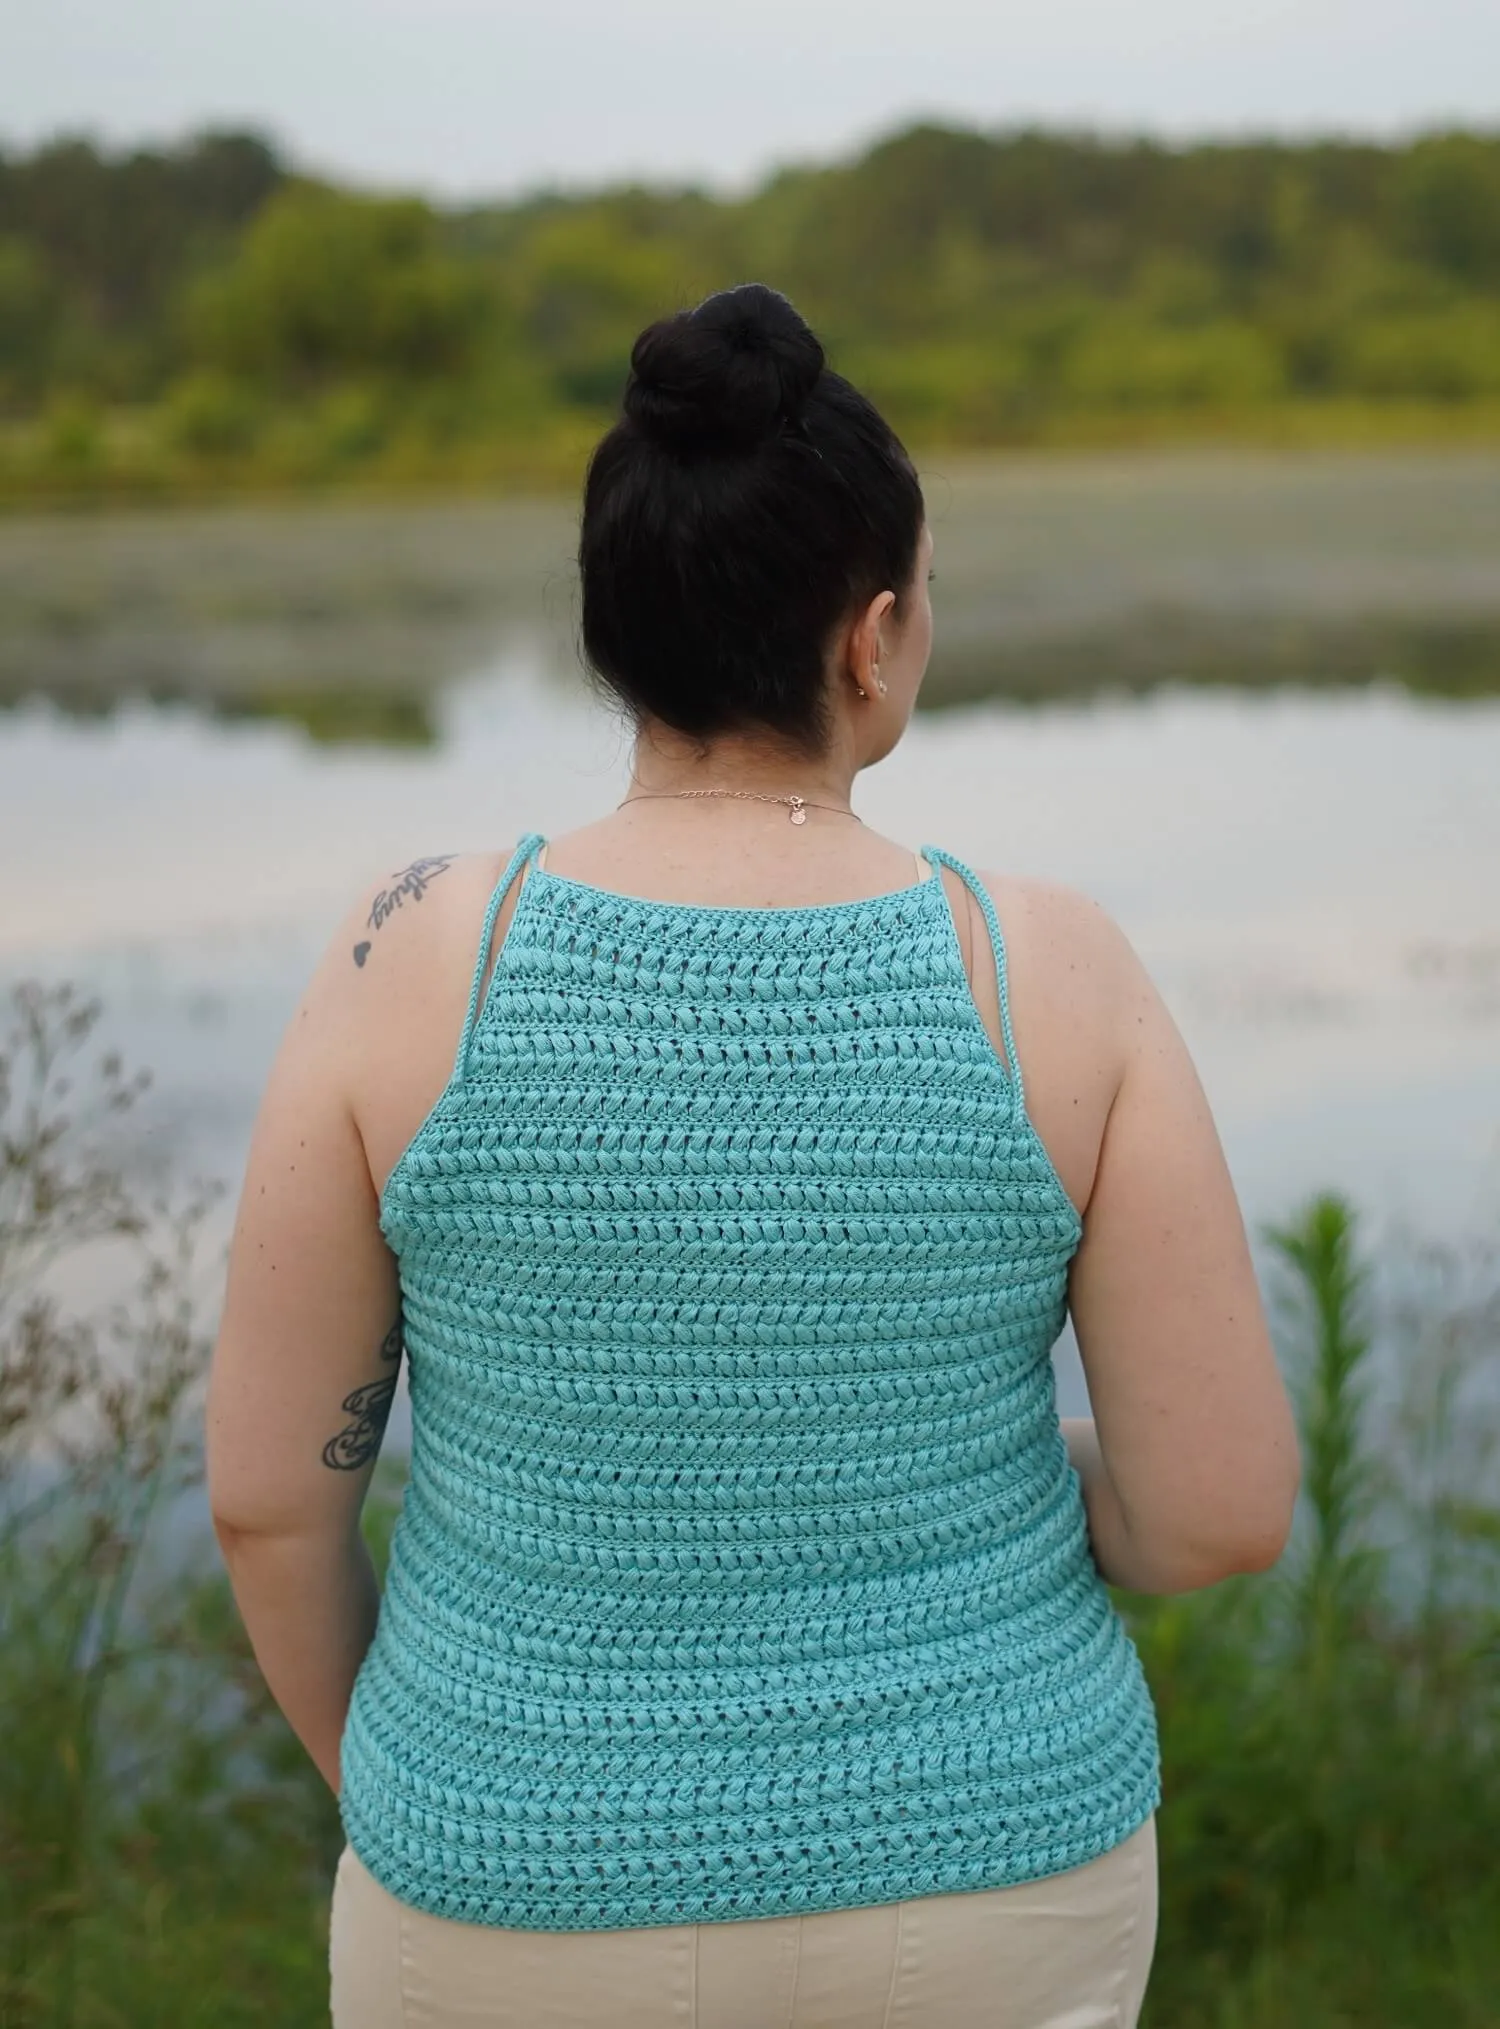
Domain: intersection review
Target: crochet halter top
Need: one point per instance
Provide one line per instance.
(741, 1570)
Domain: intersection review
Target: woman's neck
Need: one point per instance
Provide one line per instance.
(666, 764)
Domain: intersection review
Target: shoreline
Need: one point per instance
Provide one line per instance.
(129, 472)
(1061, 576)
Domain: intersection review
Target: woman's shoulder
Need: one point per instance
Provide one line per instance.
(386, 1002)
(1072, 984)
(398, 939)
(405, 916)
(402, 958)
(1063, 940)
(1050, 904)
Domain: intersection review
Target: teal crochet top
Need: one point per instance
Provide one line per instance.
(742, 1571)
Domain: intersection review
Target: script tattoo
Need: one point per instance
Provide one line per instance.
(370, 1407)
(411, 884)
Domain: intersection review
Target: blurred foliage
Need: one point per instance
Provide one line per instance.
(1330, 1731)
(335, 713)
(165, 1848)
(221, 320)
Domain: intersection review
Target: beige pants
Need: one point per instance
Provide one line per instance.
(1070, 1952)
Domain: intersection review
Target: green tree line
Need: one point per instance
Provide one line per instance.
(211, 308)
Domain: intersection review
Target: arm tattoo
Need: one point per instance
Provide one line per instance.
(412, 882)
(370, 1406)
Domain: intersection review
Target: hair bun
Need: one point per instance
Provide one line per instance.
(724, 376)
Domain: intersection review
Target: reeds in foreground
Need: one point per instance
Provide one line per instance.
(1331, 1731)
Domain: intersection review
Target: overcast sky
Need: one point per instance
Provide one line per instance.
(471, 97)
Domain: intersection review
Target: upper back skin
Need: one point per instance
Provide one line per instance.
(403, 1005)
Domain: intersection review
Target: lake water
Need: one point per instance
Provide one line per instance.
(1311, 872)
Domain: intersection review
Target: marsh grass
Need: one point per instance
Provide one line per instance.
(1331, 1731)
(161, 1845)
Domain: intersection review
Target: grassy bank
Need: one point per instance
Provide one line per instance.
(81, 456)
(1331, 1731)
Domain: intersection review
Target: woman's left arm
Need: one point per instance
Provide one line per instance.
(304, 1371)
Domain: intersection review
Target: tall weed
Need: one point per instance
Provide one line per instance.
(144, 1772)
(1331, 1731)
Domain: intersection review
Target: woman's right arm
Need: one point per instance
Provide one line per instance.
(1190, 1467)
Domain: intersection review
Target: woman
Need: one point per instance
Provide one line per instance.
(745, 1656)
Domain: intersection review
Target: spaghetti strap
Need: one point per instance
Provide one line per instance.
(981, 895)
(525, 847)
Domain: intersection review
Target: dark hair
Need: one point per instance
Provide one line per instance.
(747, 501)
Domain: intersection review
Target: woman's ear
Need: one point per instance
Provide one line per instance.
(864, 646)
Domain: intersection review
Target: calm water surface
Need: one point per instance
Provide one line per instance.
(1312, 873)
(1312, 880)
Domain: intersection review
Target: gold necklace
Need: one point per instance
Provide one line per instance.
(799, 804)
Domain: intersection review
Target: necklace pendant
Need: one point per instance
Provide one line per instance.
(799, 814)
